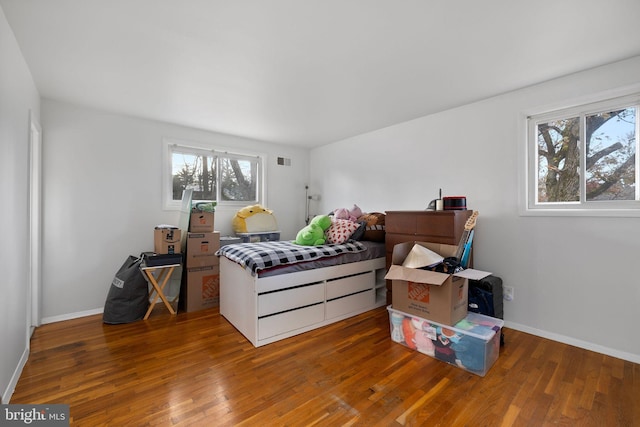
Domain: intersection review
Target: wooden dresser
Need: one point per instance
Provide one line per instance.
(422, 226)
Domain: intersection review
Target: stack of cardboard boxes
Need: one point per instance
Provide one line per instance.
(201, 276)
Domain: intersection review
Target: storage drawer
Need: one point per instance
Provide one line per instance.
(439, 225)
(401, 222)
(275, 302)
(344, 305)
(349, 285)
(283, 322)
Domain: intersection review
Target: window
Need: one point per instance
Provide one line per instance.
(213, 175)
(583, 158)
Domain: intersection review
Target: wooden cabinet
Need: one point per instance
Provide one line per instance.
(444, 227)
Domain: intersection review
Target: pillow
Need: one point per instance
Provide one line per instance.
(375, 226)
(340, 230)
(359, 233)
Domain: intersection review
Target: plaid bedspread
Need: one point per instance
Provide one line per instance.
(262, 255)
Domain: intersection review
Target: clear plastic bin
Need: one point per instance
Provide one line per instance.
(266, 236)
(472, 344)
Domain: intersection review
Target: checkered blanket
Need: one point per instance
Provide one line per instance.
(262, 255)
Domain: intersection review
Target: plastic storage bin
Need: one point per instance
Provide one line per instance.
(229, 240)
(472, 344)
(266, 236)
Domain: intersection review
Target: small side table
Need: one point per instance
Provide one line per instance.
(164, 273)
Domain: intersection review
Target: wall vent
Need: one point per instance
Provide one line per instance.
(283, 161)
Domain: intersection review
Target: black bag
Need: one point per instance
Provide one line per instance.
(128, 297)
(485, 297)
(449, 265)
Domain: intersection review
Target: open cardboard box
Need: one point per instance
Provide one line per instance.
(439, 297)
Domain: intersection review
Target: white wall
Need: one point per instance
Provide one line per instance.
(573, 276)
(18, 96)
(102, 197)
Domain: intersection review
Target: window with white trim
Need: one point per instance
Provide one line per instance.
(584, 158)
(227, 178)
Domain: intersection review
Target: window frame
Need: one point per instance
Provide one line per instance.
(529, 120)
(199, 148)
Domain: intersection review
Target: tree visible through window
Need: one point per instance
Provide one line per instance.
(603, 168)
(215, 176)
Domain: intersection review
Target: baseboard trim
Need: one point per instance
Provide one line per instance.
(574, 342)
(6, 395)
(70, 316)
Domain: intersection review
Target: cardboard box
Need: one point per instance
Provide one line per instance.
(201, 249)
(435, 296)
(200, 288)
(472, 344)
(201, 221)
(166, 239)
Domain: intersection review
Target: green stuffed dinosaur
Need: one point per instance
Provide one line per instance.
(313, 234)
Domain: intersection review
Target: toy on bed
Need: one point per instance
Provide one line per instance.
(371, 225)
(375, 226)
(313, 234)
(352, 215)
(254, 219)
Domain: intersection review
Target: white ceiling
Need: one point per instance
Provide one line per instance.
(308, 72)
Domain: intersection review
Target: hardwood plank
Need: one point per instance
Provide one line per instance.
(195, 369)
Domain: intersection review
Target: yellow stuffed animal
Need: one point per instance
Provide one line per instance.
(254, 219)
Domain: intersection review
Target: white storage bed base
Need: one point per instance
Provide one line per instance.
(272, 308)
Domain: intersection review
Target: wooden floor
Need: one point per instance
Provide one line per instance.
(196, 369)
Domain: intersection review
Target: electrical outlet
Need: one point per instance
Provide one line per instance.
(507, 293)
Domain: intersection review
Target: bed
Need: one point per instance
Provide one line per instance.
(274, 290)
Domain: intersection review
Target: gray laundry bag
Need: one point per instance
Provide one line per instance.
(128, 297)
